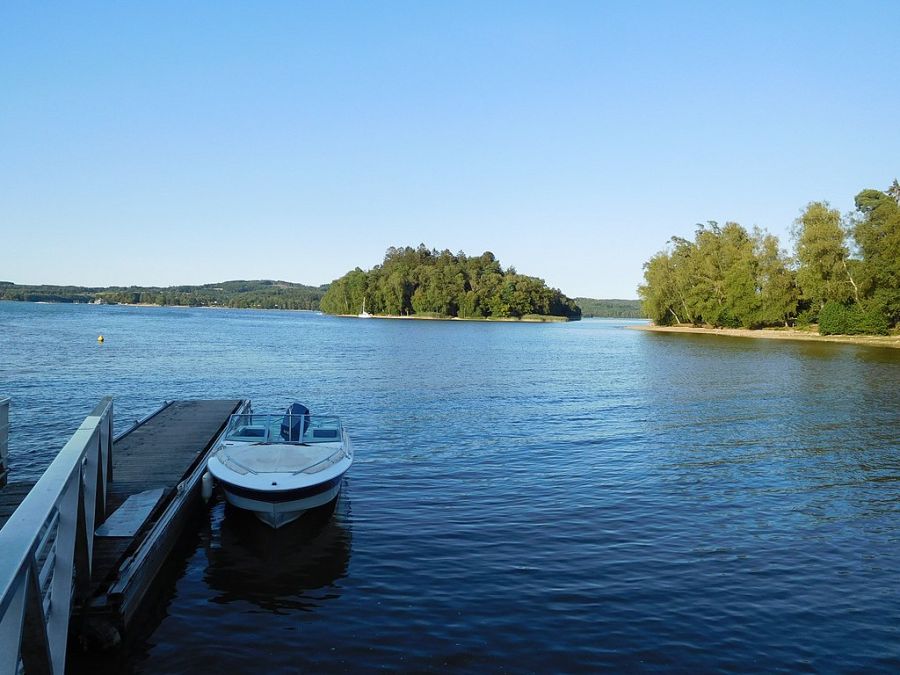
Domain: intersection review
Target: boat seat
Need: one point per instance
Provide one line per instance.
(295, 422)
(250, 432)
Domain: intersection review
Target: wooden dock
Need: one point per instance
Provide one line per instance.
(144, 489)
(164, 455)
(11, 495)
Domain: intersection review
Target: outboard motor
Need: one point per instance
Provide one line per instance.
(295, 422)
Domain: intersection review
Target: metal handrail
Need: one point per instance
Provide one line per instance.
(4, 439)
(36, 596)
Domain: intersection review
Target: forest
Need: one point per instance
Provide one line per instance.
(613, 309)
(843, 273)
(262, 294)
(429, 283)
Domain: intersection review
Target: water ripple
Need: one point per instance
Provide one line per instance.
(556, 498)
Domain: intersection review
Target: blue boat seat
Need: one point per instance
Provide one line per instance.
(295, 422)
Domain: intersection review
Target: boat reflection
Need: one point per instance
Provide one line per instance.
(296, 567)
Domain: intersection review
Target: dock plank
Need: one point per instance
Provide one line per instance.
(11, 495)
(159, 453)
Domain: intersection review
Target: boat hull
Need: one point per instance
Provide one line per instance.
(277, 509)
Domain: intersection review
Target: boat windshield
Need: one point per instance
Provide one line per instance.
(285, 428)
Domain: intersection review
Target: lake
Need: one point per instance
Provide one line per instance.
(525, 497)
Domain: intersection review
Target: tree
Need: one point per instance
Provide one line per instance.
(725, 277)
(722, 289)
(894, 191)
(777, 287)
(877, 234)
(741, 301)
(658, 296)
(823, 274)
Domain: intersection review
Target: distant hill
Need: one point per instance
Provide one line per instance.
(615, 309)
(263, 294)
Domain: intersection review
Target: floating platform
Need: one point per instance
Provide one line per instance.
(11, 495)
(98, 526)
(156, 470)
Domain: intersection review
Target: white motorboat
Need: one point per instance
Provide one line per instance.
(280, 466)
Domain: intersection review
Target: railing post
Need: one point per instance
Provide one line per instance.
(83, 550)
(36, 654)
(91, 490)
(63, 569)
(4, 439)
(106, 447)
(12, 621)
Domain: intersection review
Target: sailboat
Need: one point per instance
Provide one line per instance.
(364, 314)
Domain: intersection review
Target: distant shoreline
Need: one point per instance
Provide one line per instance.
(414, 317)
(889, 341)
(153, 304)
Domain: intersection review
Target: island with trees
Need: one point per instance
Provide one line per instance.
(844, 274)
(426, 283)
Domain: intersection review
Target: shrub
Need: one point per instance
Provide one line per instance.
(805, 318)
(869, 321)
(833, 319)
(838, 319)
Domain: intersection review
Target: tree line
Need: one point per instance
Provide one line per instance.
(426, 282)
(844, 273)
(263, 294)
(241, 294)
(613, 309)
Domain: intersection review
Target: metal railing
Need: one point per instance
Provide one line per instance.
(46, 549)
(4, 439)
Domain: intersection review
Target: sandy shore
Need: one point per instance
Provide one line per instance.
(891, 341)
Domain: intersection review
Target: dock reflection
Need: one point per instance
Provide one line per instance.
(293, 568)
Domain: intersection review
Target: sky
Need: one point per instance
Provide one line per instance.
(184, 143)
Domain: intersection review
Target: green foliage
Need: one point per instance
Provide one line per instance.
(877, 234)
(726, 277)
(824, 274)
(11, 291)
(614, 309)
(661, 295)
(426, 282)
(806, 318)
(257, 294)
(854, 319)
(834, 319)
(777, 287)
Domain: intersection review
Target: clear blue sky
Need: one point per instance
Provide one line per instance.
(166, 143)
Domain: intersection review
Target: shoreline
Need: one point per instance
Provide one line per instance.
(534, 318)
(887, 341)
(413, 317)
(152, 304)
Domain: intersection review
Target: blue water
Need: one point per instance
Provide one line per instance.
(525, 498)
